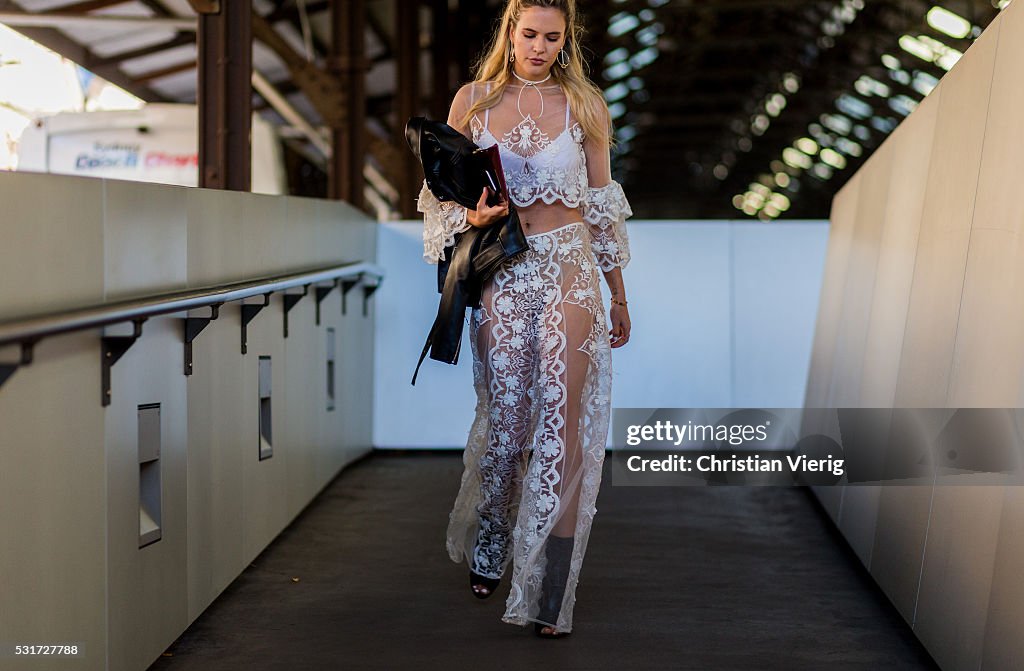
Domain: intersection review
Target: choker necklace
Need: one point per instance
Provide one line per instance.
(528, 83)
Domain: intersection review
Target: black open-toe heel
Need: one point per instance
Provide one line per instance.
(559, 556)
(539, 630)
(477, 580)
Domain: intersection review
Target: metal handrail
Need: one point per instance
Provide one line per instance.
(33, 329)
(27, 331)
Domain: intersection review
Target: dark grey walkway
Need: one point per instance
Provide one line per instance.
(675, 578)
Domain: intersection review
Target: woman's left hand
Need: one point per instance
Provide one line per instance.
(619, 317)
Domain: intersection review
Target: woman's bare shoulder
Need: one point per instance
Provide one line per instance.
(467, 94)
(596, 102)
(463, 99)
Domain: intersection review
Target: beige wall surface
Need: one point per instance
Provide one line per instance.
(53, 504)
(925, 265)
(70, 486)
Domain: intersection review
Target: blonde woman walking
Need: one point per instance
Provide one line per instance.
(540, 337)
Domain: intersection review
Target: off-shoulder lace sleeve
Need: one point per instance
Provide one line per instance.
(441, 221)
(605, 209)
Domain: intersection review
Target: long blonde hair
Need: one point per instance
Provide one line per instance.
(585, 99)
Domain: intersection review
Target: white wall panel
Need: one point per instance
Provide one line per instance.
(53, 493)
(438, 411)
(147, 598)
(903, 514)
(266, 238)
(265, 492)
(679, 288)
(848, 359)
(777, 270)
(215, 236)
(48, 226)
(911, 146)
(828, 322)
(999, 207)
(956, 577)
(830, 303)
(300, 393)
(902, 511)
(301, 247)
(927, 352)
(987, 358)
(145, 239)
(960, 546)
(331, 428)
(357, 356)
(216, 553)
(988, 362)
(1003, 645)
(858, 511)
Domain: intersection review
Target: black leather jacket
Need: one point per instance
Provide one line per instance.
(455, 169)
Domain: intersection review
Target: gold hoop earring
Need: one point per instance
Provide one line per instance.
(565, 63)
(511, 55)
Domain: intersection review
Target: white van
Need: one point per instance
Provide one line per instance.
(157, 143)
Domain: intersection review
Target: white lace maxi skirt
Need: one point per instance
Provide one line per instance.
(542, 372)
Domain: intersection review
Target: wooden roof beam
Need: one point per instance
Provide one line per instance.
(57, 41)
(87, 6)
(147, 77)
(181, 39)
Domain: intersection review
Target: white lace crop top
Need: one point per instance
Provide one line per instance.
(536, 166)
(549, 164)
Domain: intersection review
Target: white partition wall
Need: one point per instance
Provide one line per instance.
(77, 476)
(909, 149)
(901, 520)
(722, 313)
(926, 245)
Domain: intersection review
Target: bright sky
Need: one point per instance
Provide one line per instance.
(35, 81)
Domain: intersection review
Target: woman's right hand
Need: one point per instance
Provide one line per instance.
(484, 215)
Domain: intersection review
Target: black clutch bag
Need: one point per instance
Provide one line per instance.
(456, 169)
(489, 159)
(505, 238)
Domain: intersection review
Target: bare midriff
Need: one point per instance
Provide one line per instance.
(541, 217)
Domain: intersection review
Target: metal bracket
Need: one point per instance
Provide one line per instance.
(248, 312)
(346, 286)
(289, 302)
(368, 290)
(111, 350)
(193, 327)
(7, 369)
(321, 294)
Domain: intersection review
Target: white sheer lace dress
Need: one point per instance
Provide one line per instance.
(541, 361)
